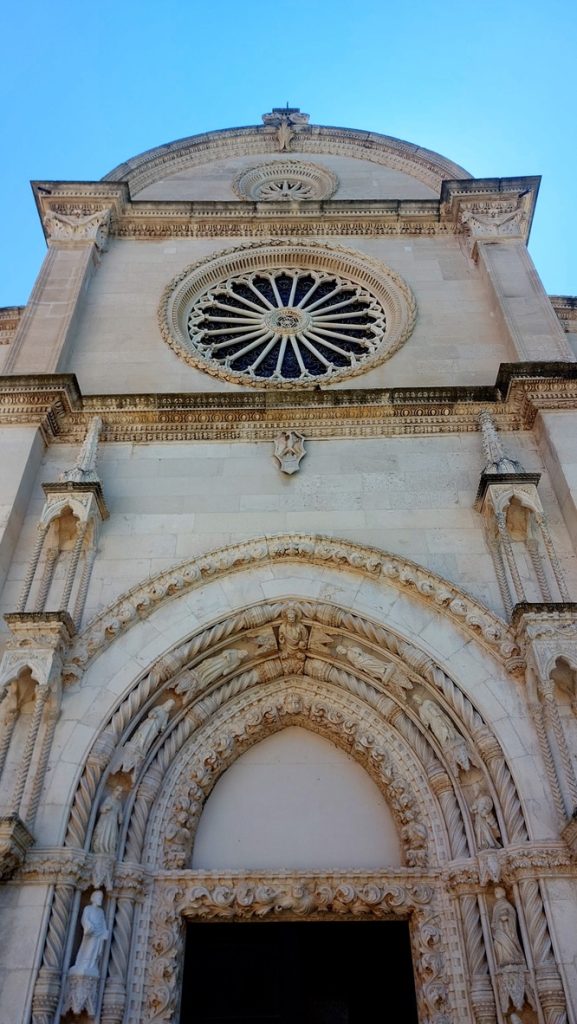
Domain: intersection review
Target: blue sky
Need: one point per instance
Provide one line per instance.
(491, 85)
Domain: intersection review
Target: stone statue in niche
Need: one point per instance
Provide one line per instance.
(512, 980)
(293, 638)
(453, 745)
(136, 749)
(387, 672)
(83, 976)
(105, 838)
(289, 449)
(485, 824)
(210, 670)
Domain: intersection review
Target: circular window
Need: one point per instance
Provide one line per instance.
(286, 313)
(285, 179)
(287, 325)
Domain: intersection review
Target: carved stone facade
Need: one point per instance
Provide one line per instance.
(175, 600)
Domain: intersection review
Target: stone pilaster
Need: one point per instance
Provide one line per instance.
(494, 216)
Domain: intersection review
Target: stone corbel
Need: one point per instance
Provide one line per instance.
(490, 209)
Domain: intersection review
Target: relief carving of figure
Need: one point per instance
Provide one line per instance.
(512, 981)
(105, 838)
(210, 670)
(136, 749)
(443, 730)
(82, 988)
(485, 823)
(387, 672)
(293, 637)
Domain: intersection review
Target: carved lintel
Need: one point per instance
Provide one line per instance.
(15, 840)
(80, 492)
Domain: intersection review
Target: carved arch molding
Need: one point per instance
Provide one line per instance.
(469, 861)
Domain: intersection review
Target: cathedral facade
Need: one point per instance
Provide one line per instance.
(288, 580)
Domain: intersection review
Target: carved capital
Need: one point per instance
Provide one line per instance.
(490, 209)
(15, 840)
(77, 224)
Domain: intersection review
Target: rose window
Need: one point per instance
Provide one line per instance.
(285, 179)
(287, 325)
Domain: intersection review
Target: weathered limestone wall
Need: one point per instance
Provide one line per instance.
(213, 181)
(557, 431)
(117, 347)
(22, 450)
(408, 495)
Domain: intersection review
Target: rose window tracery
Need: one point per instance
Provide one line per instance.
(285, 179)
(288, 324)
(286, 313)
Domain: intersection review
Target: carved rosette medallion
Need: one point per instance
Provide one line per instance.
(284, 180)
(287, 313)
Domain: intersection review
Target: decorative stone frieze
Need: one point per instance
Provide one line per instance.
(491, 208)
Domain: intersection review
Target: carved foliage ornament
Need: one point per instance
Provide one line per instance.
(287, 313)
(283, 180)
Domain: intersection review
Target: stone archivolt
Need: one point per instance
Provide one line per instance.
(392, 570)
(225, 689)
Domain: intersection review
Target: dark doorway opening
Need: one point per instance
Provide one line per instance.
(314, 972)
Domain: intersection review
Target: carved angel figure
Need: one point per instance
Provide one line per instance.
(105, 838)
(137, 748)
(485, 823)
(388, 673)
(213, 668)
(444, 731)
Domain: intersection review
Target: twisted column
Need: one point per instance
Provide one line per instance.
(41, 696)
(548, 979)
(78, 611)
(32, 567)
(506, 546)
(115, 992)
(9, 721)
(46, 580)
(482, 995)
(47, 988)
(501, 574)
(536, 712)
(533, 547)
(555, 730)
(73, 564)
(555, 563)
(38, 780)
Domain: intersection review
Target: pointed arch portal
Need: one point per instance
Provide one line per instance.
(455, 823)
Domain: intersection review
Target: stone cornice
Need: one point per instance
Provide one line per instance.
(461, 201)
(54, 403)
(258, 140)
